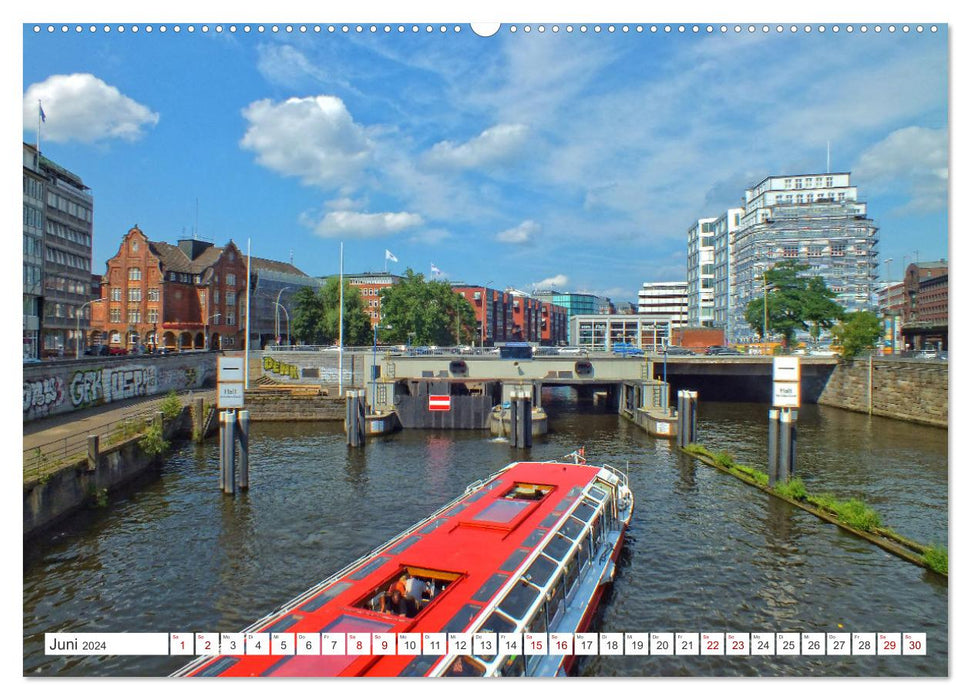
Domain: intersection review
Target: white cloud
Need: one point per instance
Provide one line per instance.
(554, 282)
(313, 138)
(492, 146)
(913, 159)
(519, 234)
(284, 65)
(81, 107)
(354, 224)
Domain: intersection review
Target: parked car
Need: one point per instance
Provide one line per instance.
(97, 350)
(117, 351)
(31, 360)
(720, 350)
(627, 350)
(677, 350)
(572, 351)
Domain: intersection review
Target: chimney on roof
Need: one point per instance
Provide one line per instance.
(193, 248)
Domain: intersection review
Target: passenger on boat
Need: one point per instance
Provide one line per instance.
(396, 604)
(415, 588)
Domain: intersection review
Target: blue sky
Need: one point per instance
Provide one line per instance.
(521, 159)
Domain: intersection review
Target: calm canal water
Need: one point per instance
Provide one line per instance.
(705, 551)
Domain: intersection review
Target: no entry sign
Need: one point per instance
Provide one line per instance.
(439, 403)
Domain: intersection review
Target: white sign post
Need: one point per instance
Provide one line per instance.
(785, 382)
(230, 381)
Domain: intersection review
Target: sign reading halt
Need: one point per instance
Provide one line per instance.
(229, 379)
(785, 382)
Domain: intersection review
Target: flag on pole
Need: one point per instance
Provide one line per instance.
(388, 255)
(435, 270)
(43, 117)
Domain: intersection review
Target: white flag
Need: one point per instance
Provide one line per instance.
(388, 255)
(435, 270)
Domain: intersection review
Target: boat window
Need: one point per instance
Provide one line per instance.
(570, 575)
(502, 511)
(217, 667)
(585, 510)
(519, 600)
(555, 598)
(403, 545)
(490, 587)
(497, 623)
(557, 547)
(583, 553)
(457, 509)
(369, 568)
(564, 505)
(538, 623)
(433, 525)
(476, 496)
(512, 666)
(597, 493)
(535, 538)
(282, 624)
(515, 559)
(462, 618)
(596, 528)
(317, 602)
(419, 666)
(464, 666)
(540, 571)
(550, 520)
(571, 528)
(527, 492)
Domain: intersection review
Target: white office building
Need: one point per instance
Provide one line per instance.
(812, 219)
(664, 302)
(724, 237)
(701, 273)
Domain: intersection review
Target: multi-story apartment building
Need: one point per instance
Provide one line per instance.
(33, 252)
(664, 302)
(725, 227)
(58, 215)
(271, 308)
(186, 296)
(812, 219)
(370, 285)
(701, 273)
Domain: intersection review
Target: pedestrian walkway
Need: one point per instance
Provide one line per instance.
(47, 441)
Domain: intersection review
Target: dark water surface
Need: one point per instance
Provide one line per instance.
(706, 553)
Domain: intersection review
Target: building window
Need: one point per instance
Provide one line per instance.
(153, 294)
(116, 293)
(134, 246)
(230, 317)
(134, 273)
(134, 316)
(134, 294)
(115, 315)
(153, 315)
(230, 297)
(798, 183)
(215, 296)
(230, 279)
(838, 250)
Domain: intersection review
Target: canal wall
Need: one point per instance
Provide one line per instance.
(53, 497)
(906, 389)
(282, 406)
(53, 388)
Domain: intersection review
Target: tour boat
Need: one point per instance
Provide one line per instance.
(531, 548)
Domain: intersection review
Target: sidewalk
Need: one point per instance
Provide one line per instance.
(43, 431)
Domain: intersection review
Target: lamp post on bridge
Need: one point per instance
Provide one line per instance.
(287, 313)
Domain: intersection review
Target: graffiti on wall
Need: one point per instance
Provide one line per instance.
(282, 368)
(91, 387)
(41, 396)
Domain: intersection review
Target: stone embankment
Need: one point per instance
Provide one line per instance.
(905, 389)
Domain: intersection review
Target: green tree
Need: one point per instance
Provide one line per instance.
(425, 312)
(857, 332)
(793, 303)
(316, 316)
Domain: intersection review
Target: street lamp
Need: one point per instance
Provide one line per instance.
(77, 326)
(277, 311)
(207, 327)
(276, 314)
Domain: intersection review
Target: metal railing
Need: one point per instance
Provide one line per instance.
(47, 458)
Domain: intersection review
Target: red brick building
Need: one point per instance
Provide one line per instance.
(370, 284)
(157, 294)
(507, 316)
(925, 319)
